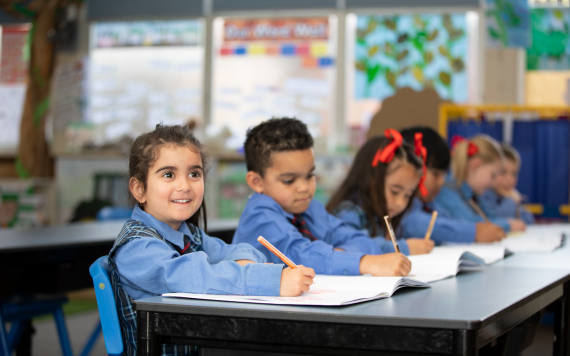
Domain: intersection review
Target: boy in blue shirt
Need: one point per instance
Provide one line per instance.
(416, 222)
(281, 163)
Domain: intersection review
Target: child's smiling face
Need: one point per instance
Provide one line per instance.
(175, 185)
(289, 180)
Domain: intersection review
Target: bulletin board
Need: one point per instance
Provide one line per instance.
(266, 68)
(142, 74)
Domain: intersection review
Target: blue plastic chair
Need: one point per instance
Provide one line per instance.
(20, 312)
(114, 213)
(99, 271)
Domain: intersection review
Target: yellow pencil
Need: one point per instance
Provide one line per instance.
(391, 233)
(431, 224)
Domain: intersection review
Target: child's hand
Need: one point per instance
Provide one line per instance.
(295, 281)
(244, 262)
(517, 225)
(516, 196)
(487, 232)
(390, 264)
(420, 246)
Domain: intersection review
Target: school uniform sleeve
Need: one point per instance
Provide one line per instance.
(263, 216)
(219, 251)
(416, 222)
(151, 265)
(352, 219)
(526, 216)
(504, 207)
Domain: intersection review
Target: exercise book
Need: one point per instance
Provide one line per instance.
(442, 264)
(327, 291)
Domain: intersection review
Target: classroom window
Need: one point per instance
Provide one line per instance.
(142, 74)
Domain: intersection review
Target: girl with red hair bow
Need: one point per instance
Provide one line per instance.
(385, 175)
(475, 164)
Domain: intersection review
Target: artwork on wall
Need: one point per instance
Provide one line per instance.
(550, 48)
(508, 23)
(417, 51)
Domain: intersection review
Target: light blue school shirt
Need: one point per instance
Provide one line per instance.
(353, 215)
(263, 216)
(445, 229)
(148, 266)
(453, 202)
(503, 207)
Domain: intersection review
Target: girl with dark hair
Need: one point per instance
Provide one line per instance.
(384, 177)
(162, 249)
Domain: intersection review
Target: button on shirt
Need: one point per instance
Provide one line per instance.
(264, 216)
(445, 229)
(453, 202)
(150, 267)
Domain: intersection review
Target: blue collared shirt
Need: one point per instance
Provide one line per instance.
(353, 215)
(453, 202)
(264, 217)
(150, 267)
(445, 229)
(503, 207)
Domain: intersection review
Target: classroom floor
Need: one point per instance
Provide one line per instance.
(80, 326)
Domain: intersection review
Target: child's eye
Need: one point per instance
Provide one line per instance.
(288, 182)
(394, 192)
(310, 175)
(168, 175)
(196, 174)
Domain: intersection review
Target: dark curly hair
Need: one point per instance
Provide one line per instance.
(275, 135)
(145, 152)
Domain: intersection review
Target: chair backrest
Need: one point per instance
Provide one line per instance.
(114, 213)
(99, 271)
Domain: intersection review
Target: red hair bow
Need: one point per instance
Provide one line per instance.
(386, 154)
(472, 150)
(421, 151)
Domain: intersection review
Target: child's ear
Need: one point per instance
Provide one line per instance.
(255, 181)
(137, 189)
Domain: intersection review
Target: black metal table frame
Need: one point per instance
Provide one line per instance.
(321, 338)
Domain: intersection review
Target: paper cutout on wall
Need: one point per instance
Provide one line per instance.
(508, 23)
(550, 48)
(416, 51)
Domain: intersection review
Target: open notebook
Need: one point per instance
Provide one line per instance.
(443, 263)
(327, 291)
(533, 240)
(489, 253)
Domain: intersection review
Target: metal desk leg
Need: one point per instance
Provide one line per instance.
(465, 343)
(562, 323)
(148, 343)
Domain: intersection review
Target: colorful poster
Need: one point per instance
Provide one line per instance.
(276, 29)
(148, 33)
(508, 23)
(550, 48)
(414, 51)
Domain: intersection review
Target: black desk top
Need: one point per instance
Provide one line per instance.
(78, 234)
(472, 300)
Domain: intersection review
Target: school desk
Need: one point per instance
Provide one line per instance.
(56, 259)
(456, 316)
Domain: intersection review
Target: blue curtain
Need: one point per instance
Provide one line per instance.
(544, 146)
(468, 128)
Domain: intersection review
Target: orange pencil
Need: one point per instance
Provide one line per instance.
(431, 223)
(277, 253)
(391, 233)
(478, 210)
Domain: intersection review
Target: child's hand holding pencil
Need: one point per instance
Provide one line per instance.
(294, 280)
